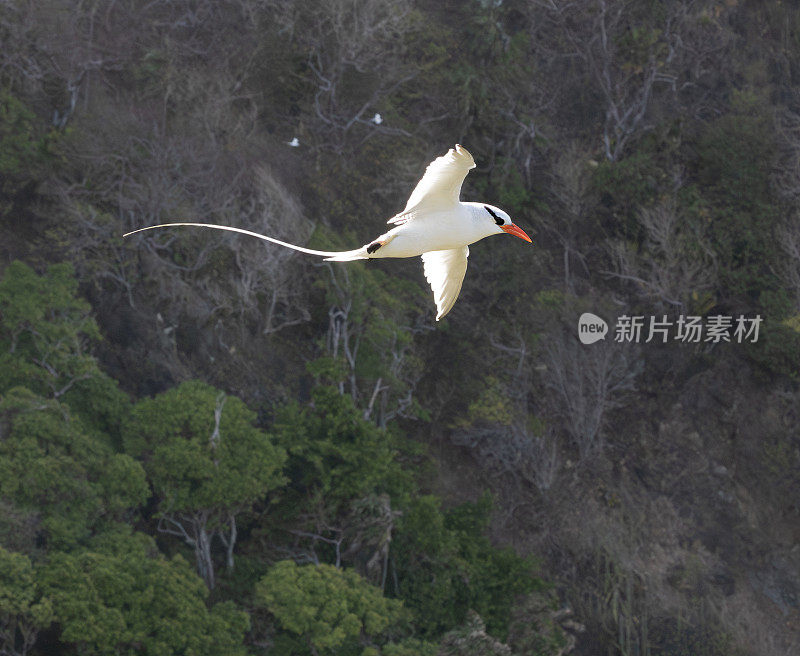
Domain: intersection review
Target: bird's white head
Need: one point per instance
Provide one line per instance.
(497, 221)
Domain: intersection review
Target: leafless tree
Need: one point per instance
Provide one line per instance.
(587, 382)
(355, 43)
(343, 338)
(787, 174)
(627, 88)
(571, 186)
(786, 177)
(396, 394)
(193, 529)
(361, 535)
(514, 452)
(371, 523)
(674, 265)
(197, 529)
(51, 53)
(542, 616)
(265, 271)
(512, 446)
(629, 58)
(353, 326)
(789, 267)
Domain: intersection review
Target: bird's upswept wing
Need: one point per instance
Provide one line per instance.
(440, 187)
(444, 271)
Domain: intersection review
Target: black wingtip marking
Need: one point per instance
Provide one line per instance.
(374, 246)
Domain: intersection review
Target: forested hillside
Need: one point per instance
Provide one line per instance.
(214, 445)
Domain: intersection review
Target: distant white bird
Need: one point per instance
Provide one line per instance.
(377, 119)
(294, 143)
(434, 224)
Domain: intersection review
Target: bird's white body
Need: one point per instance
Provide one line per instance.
(434, 224)
(435, 231)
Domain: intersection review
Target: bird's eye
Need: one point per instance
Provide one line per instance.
(496, 218)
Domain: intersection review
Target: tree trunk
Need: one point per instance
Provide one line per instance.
(230, 542)
(202, 551)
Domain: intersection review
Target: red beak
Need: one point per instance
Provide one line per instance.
(515, 230)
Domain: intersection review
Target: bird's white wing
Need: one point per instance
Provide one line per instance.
(444, 271)
(440, 187)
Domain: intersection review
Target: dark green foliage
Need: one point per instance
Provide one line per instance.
(122, 596)
(678, 639)
(207, 464)
(24, 148)
(447, 566)
(778, 348)
(44, 330)
(734, 158)
(335, 455)
(407, 647)
(101, 406)
(195, 462)
(332, 611)
(48, 464)
(23, 609)
(628, 184)
(471, 639)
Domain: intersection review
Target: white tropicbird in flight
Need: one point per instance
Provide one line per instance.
(434, 224)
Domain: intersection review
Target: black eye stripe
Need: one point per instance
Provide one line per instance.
(496, 218)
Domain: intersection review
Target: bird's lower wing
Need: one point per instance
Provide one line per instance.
(336, 256)
(444, 271)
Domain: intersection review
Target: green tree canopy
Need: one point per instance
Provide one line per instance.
(335, 454)
(46, 330)
(23, 147)
(447, 566)
(207, 463)
(334, 611)
(23, 608)
(122, 597)
(471, 639)
(50, 465)
(201, 448)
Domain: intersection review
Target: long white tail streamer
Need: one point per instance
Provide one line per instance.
(333, 256)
